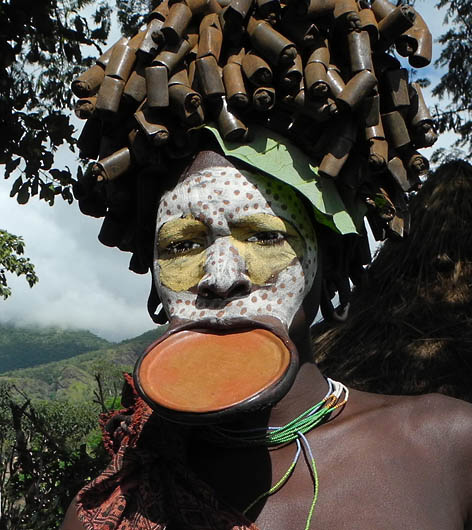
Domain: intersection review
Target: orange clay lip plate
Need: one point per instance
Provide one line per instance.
(206, 371)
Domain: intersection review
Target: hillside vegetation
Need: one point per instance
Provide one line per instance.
(22, 347)
(73, 377)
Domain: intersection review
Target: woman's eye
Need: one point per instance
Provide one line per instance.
(179, 247)
(268, 238)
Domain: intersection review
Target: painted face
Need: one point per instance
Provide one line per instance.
(231, 244)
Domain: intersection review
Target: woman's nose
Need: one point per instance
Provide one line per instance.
(225, 273)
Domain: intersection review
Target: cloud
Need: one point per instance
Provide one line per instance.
(82, 283)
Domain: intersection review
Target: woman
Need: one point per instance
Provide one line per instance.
(226, 406)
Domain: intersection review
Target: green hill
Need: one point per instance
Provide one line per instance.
(74, 378)
(22, 347)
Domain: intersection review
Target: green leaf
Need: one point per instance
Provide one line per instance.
(276, 156)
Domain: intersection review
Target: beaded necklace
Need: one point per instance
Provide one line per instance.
(294, 431)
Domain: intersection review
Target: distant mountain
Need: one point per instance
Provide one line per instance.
(22, 347)
(73, 378)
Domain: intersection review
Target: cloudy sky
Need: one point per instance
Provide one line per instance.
(82, 283)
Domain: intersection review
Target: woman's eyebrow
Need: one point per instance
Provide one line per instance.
(263, 221)
(180, 228)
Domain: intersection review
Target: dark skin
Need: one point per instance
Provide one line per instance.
(384, 462)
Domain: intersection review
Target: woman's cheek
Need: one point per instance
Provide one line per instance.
(265, 262)
(181, 273)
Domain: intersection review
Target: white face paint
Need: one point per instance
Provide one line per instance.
(231, 244)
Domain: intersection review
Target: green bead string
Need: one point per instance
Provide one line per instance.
(292, 431)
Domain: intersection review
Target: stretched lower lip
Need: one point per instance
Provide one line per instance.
(199, 370)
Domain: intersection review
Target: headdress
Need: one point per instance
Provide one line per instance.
(307, 91)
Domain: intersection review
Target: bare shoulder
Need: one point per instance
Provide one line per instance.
(432, 428)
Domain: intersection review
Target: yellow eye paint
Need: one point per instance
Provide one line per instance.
(181, 271)
(266, 260)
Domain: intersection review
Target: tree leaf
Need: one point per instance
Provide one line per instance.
(276, 156)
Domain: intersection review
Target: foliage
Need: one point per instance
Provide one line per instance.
(12, 261)
(45, 459)
(72, 378)
(280, 158)
(21, 347)
(42, 47)
(456, 83)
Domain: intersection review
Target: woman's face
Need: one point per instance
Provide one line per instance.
(233, 245)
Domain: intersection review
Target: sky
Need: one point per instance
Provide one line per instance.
(83, 284)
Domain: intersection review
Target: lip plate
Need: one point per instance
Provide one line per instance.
(271, 394)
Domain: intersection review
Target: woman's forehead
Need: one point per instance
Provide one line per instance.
(214, 193)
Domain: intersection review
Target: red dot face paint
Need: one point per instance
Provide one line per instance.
(266, 250)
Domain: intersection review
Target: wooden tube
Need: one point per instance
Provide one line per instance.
(180, 77)
(85, 108)
(104, 59)
(152, 126)
(395, 23)
(382, 8)
(396, 130)
(121, 62)
(346, 15)
(291, 77)
(256, 70)
(416, 43)
(136, 41)
(231, 128)
(135, 87)
(396, 82)
(209, 42)
(418, 112)
(356, 89)
(371, 110)
(171, 56)
(263, 98)
(319, 52)
(369, 24)
(236, 11)
(316, 81)
(235, 55)
(197, 7)
(157, 86)
(109, 95)
(236, 93)
(375, 131)
(152, 39)
(335, 81)
(113, 166)
(185, 100)
(319, 8)
(209, 76)
(398, 171)
(378, 153)
(360, 54)
(212, 20)
(341, 143)
(88, 83)
(416, 163)
(160, 12)
(271, 44)
(176, 23)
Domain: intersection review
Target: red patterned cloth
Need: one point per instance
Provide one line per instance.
(147, 485)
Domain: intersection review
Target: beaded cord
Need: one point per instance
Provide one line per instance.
(294, 431)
